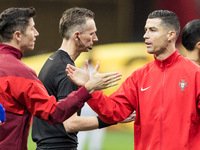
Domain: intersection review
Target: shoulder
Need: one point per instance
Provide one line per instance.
(15, 67)
(141, 72)
(188, 64)
(145, 68)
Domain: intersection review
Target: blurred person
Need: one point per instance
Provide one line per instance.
(164, 93)
(95, 137)
(2, 115)
(190, 38)
(21, 93)
(78, 30)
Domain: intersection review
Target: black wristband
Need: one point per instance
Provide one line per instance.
(103, 124)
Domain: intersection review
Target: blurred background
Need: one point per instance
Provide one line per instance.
(116, 20)
(120, 29)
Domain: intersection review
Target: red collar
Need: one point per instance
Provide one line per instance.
(7, 49)
(169, 61)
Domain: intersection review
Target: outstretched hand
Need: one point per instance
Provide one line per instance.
(78, 76)
(97, 81)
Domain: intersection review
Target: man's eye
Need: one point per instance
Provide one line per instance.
(153, 30)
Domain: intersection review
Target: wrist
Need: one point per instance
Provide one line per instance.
(103, 124)
(89, 88)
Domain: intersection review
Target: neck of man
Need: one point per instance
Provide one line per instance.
(70, 48)
(166, 52)
(194, 55)
(13, 44)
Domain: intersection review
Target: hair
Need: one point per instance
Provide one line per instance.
(14, 19)
(190, 35)
(169, 19)
(74, 19)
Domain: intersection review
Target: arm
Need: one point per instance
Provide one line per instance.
(115, 108)
(33, 96)
(75, 100)
(198, 90)
(76, 123)
(118, 106)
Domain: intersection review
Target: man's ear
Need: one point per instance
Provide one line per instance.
(171, 35)
(198, 45)
(17, 36)
(76, 35)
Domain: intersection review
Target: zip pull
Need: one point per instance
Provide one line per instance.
(161, 64)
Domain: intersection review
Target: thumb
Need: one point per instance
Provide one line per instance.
(86, 65)
(96, 67)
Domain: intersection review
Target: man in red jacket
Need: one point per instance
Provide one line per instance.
(21, 92)
(165, 93)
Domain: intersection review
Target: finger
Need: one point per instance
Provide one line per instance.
(69, 70)
(112, 78)
(71, 67)
(69, 76)
(111, 84)
(133, 116)
(86, 65)
(110, 74)
(96, 67)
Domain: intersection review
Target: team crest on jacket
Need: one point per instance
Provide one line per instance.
(182, 85)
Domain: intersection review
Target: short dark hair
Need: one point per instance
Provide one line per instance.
(14, 19)
(168, 18)
(74, 19)
(190, 35)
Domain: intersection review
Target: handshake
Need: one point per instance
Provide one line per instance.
(93, 82)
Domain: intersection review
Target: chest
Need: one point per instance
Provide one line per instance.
(166, 89)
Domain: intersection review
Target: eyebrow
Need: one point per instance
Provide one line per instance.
(154, 28)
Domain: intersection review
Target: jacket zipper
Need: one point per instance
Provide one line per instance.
(161, 111)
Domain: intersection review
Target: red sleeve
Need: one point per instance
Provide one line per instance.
(19, 93)
(68, 106)
(46, 107)
(118, 106)
(198, 89)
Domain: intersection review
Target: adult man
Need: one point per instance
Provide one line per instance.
(190, 38)
(21, 92)
(164, 93)
(78, 30)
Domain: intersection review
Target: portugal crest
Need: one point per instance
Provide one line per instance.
(182, 85)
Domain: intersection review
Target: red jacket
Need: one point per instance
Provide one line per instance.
(165, 95)
(22, 94)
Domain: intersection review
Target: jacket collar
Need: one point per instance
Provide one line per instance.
(7, 49)
(66, 55)
(168, 61)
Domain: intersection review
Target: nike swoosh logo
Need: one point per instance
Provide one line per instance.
(145, 88)
(50, 58)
